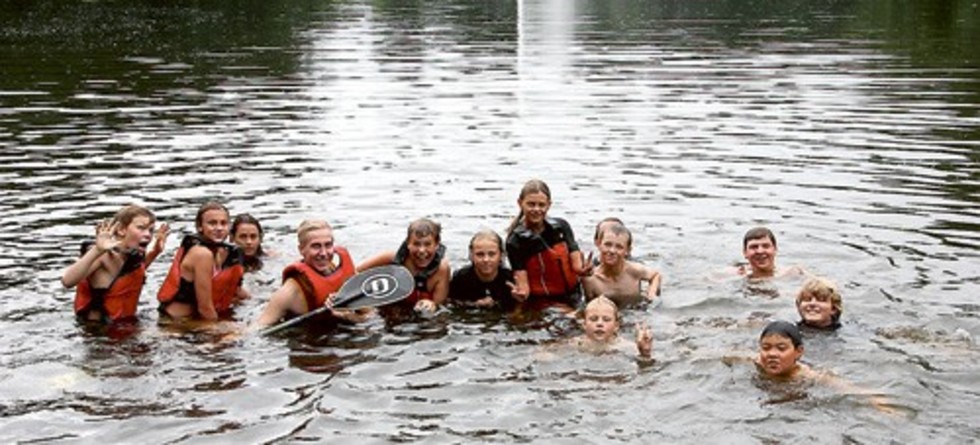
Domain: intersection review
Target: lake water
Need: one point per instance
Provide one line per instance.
(852, 129)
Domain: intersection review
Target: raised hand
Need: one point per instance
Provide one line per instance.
(644, 339)
(160, 238)
(105, 236)
(516, 293)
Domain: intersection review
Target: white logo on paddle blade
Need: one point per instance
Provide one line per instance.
(380, 286)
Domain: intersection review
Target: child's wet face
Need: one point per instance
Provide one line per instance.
(816, 310)
(614, 248)
(485, 255)
(421, 250)
(600, 323)
(214, 225)
(247, 238)
(760, 253)
(535, 207)
(138, 233)
(778, 356)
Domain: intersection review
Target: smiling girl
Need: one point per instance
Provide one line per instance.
(546, 259)
(206, 275)
(485, 282)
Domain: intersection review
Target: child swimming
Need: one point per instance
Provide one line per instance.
(819, 304)
(601, 324)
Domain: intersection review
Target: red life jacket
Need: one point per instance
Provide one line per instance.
(317, 287)
(119, 301)
(224, 284)
(549, 272)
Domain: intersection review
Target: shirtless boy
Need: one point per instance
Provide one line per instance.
(617, 278)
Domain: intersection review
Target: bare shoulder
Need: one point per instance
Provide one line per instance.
(640, 271)
(445, 269)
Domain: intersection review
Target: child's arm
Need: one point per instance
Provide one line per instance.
(521, 289)
(579, 265)
(381, 259)
(879, 402)
(159, 242)
(202, 267)
(653, 278)
(91, 260)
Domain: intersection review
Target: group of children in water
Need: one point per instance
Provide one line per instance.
(548, 272)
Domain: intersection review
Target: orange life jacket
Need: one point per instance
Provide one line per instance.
(119, 301)
(316, 286)
(224, 284)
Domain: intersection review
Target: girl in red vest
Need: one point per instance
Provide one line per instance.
(307, 284)
(206, 274)
(542, 251)
(111, 271)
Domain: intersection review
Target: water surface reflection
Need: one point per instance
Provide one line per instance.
(849, 128)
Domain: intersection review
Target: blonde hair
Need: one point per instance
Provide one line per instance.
(824, 289)
(599, 301)
(310, 225)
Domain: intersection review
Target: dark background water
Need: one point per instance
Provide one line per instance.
(850, 128)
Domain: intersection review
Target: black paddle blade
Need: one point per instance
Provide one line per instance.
(375, 287)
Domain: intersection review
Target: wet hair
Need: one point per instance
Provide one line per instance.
(825, 289)
(601, 300)
(125, 216)
(251, 262)
(307, 226)
(206, 207)
(532, 186)
(757, 233)
(598, 226)
(424, 227)
(618, 229)
(783, 329)
(488, 234)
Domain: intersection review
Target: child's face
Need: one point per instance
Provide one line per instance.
(138, 233)
(816, 310)
(485, 255)
(777, 355)
(247, 237)
(613, 248)
(535, 207)
(600, 323)
(421, 250)
(760, 253)
(214, 225)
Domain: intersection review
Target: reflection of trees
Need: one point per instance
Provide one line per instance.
(141, 46)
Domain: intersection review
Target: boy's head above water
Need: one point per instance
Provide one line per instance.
(780, 348)
(601, 320)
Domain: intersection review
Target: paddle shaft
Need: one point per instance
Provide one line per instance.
(295, 321)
